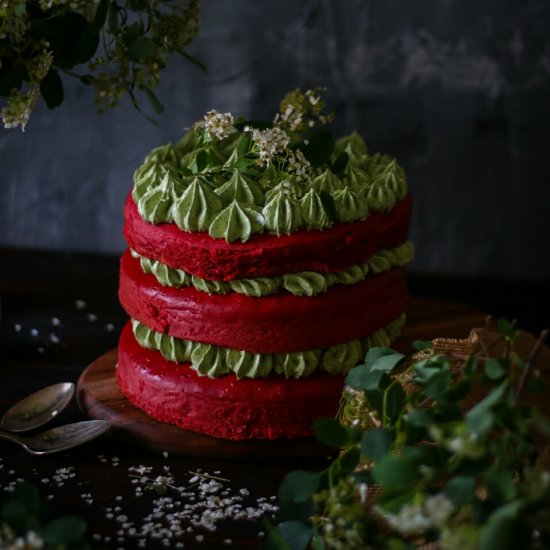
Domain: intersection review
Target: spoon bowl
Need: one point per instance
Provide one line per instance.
(60, 438)
(38, 408)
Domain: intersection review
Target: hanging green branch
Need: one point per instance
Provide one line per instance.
(118, 46)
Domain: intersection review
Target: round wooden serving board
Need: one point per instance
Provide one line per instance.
(99, 397)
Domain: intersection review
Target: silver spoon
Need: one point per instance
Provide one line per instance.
(38, 408)
(60, 438)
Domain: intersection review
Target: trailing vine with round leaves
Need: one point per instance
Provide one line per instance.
(27, 522)
(437, 452)
(119, 47)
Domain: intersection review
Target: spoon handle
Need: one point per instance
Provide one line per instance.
(15, 438)
(60, 438)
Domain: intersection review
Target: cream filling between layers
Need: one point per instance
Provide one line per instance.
(214, 361)
(305, 283)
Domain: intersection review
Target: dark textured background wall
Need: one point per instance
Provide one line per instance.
(458, 90)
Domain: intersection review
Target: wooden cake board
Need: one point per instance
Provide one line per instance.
(99, 397)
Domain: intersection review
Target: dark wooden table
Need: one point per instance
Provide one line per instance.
(60, 312)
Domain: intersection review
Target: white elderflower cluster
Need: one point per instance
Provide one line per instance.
(298, 165)
(413, 519)
(302, 111)
(40, 65)
(18, 111)
(219, 125)
(466, 446)
(270, 142)
(31, 541)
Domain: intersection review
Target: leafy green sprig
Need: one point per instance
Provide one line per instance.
(123, 46)
(429, 468)
(293, 148)
(26, 522)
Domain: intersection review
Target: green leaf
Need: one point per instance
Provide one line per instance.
(298, 486)
(540, 421)
(14, 513)
(11, 77)
(479, 421)
(20, 9)
(387, 363)
(328, 205)
(51, 89)
(64, 530)
(375, 353)
(101, 13)
(345, 464)
(500, 530)
(199, 64)
(376, 443)
(86, 46)
(460, 489)
(319, 147)
(506, 328)
(438, 385)
(396, 399)
(423, 372)
(475, 417)
(244, 146)
(496, 368)
(133, 32)
(421, 345)
(289, 535)
(141, 48)
(361, 378)
(292, 510)
(420, 417)
(330, 432)
(201, 160)
(396, 471)
(340, 164)
(154, 100)
(112, 24)
(501, 485)
(27, 495)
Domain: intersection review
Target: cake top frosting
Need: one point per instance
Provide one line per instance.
(232, 178)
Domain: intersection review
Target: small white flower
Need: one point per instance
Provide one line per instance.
(219, 125)
(270, 142)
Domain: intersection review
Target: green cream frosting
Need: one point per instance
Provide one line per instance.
(205, 184)
(236, 222)
(197, 206)
(282, 214)
(242, 189)
(313, 211)
(327, 181)
(305, 283)
(213, 361)
(350, 206)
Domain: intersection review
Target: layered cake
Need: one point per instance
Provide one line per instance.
(264, 259)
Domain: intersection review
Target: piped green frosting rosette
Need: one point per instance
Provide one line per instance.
(233, 179)
(214, 361)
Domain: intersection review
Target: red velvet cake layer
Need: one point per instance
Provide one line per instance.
(223, 407)
(264, 254)
(278, 323)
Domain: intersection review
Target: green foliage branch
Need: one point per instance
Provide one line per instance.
(26, 522)
(424, 472)
(122, 45)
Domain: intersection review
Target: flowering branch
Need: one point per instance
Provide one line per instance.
(123, 45)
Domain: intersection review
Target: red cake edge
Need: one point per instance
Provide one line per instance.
(223, 407)
(265, 255)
